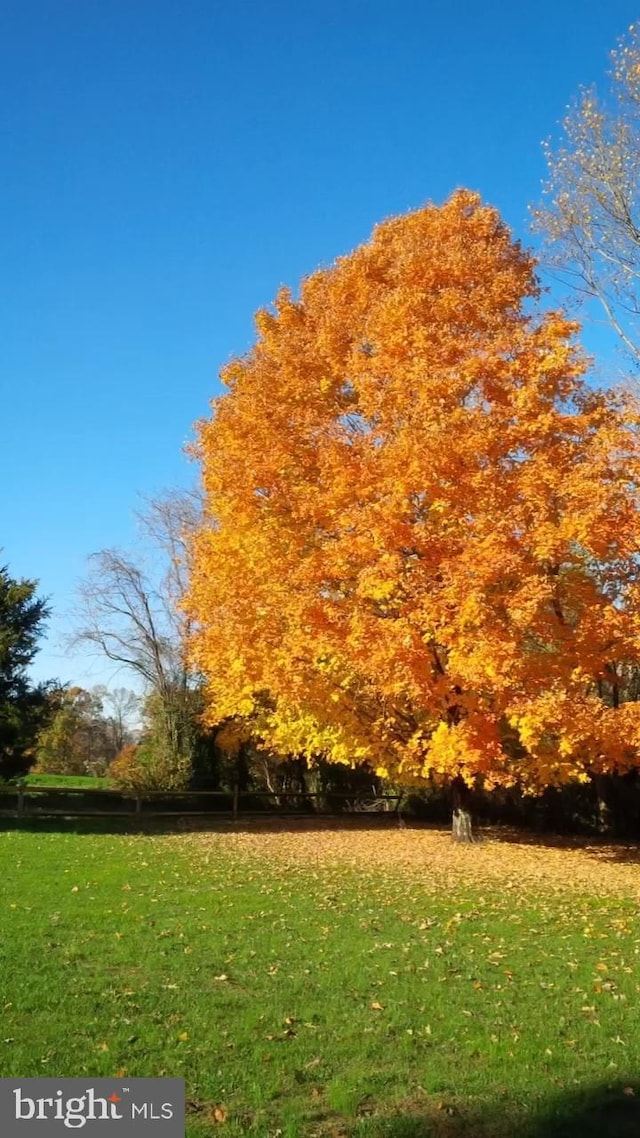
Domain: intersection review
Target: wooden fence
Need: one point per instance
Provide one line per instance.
(55, 801)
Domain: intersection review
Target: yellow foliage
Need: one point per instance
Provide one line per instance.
(422, 525)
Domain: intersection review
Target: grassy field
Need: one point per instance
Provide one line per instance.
(69, 781)
(367, 983)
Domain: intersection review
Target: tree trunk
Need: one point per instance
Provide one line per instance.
(306, 779)
(603, 789)
(242, 772)
(461, 827)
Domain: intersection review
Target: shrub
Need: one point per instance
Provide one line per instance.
(148, 766)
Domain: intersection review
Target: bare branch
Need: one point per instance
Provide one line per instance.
(592, 197)
(122, 614)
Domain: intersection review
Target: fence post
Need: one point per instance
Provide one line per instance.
(235, 801)
(138, 805)
(20, 803)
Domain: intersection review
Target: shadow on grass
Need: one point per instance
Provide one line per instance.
(600, 849)
(209, 823)
(596, 1112)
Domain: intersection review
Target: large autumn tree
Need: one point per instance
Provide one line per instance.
(421, 539)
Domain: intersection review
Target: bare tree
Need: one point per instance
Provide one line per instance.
(128, 611)
(591, 211)
(124, 615)
(167, 522)
(121, 708)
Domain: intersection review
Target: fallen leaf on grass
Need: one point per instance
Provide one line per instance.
(526, 864)
(447, 1109)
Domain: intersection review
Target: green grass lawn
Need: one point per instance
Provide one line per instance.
(70, 781)
(305, 984)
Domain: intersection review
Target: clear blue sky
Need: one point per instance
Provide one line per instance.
(167, 165)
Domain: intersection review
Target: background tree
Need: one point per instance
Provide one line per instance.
(128, 611)
(23, 705)
(151, 764)
(591, 213)
(78, 738)
(121, 708)
(419, 548)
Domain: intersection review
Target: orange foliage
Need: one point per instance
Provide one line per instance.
(422, 525)
(125, 771)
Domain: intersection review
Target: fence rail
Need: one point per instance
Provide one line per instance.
(79, 802)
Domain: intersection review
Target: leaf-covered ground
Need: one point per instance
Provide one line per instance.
(320, 981)
(511, 859)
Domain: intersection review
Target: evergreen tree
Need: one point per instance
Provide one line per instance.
(23, 705)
